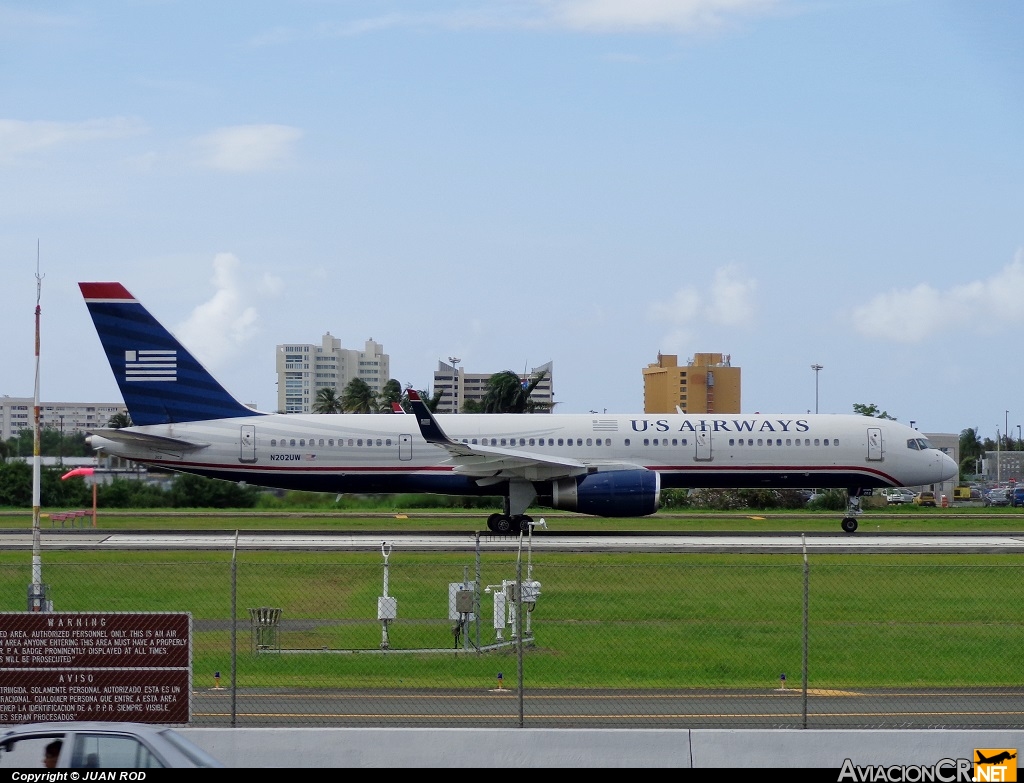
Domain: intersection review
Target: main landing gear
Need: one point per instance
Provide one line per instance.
(512, 521)
(853, 509)
(509, 524)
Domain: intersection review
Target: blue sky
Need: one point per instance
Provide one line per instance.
(587, 182)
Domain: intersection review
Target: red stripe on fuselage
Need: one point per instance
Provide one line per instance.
(691, 469)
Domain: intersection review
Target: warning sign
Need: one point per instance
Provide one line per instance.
(95, 666)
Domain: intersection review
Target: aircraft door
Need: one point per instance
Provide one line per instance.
(405, 447)
(703, 441)
(875, 444)
(248, 444)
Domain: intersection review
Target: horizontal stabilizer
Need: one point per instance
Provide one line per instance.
(131, 437)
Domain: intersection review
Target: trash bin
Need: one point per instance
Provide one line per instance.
(266, 628)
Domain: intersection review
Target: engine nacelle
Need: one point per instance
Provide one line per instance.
(613, 493)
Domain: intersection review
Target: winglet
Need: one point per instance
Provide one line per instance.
(397, 408)
(429, 428)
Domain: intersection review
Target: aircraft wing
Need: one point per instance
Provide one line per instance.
(131, 437)
(495, 462)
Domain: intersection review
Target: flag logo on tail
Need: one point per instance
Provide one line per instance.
(151, 365)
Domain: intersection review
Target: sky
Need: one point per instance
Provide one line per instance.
(512, 182)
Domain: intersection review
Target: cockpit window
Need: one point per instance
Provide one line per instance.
(923, 444)
(913, 444)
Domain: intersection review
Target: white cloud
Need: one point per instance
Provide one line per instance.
(591, 16)
(732, 298)
(728, 302)
(242, 148)
(649, 15)
(19, 137)
(218, 328)
(910, 316)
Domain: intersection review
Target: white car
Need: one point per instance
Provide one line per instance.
(899, 495)
(98, 745)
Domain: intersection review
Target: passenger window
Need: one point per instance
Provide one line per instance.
(379, 443)
(789, 442)
(589, 443)
(826, 441)
(647, 441)
(531, 441)
(292, 442)
(559, 441)
(273, 441)
(302, 442)
(330, 441)
(626, 441)
(359, 442)
(835, 441)
(732, 441)
(320, 442)
(759, 442)
(816, 442)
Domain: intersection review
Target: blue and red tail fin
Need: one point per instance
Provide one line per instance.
(161, 382)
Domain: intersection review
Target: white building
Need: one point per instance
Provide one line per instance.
(304, 369)
(66, 417)
(457, 386)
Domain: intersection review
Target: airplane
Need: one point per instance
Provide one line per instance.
(609, 465)
(996, 759)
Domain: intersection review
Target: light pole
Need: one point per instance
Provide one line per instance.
(455, 382)
(817, 368)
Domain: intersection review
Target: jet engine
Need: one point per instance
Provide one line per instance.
(613, 493)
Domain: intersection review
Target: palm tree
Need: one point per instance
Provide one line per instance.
(327, 401)
(507, 393)
(358, 397)
(119, 420)
(430, 400)
(392, 392)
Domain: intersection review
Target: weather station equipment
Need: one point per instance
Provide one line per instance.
(461, 600)
(387, 607)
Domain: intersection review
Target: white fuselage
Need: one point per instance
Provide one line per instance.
(386, 452)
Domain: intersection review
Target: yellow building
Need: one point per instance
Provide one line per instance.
(708, 384)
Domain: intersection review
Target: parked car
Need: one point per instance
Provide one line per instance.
(899, 495)
(997, 497)
(1017, 497)
(98, 745)
(924, 499)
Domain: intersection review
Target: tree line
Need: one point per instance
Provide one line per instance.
(506, 393)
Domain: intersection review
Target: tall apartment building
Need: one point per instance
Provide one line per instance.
(457, 386)
(69, 417)
(302, 370)
(708, 383)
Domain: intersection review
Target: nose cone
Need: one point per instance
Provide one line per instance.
(948, 468)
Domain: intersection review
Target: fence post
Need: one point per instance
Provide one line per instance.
(807, 593)
(519, 625)
(234, 631)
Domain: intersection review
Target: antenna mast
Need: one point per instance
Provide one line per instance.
(37, 590)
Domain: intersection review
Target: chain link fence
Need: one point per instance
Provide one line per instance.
(604, 640)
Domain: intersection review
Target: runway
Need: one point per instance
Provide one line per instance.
(576, 541)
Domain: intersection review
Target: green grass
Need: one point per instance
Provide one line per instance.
(603, 620)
